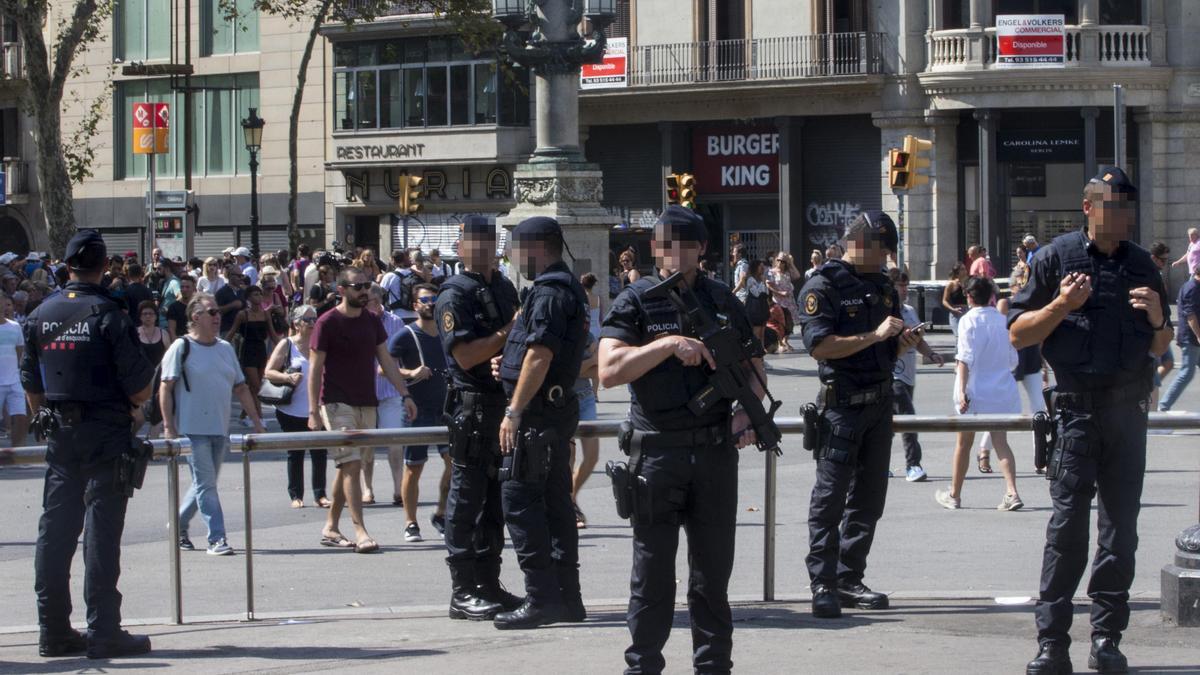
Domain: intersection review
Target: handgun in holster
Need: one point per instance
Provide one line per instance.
(630, 489)
(530, 458)
(1050, 453)
(44, 423)
(131, 466)
(812, 428)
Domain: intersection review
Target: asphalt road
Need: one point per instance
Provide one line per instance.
(921, 550)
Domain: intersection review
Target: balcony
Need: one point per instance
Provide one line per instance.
(1107, 46)
(12, 61)
(783, 58)
(16, 180)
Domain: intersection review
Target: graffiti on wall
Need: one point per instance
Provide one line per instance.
(826, 221)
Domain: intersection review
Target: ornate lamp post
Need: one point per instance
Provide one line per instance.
(252, 128)
(543, 35)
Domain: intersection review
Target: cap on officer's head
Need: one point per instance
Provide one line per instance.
(478, 226)
(86, 250)
(1114, 178)
(540, 228)
(683, 224)
(879, 224)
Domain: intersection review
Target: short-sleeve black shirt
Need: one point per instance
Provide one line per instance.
(462, 316)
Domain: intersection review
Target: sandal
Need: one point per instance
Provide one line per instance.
(336, 542)
(297, 503)
(368, 546)
(984, 462)
(580, 519)
(397, 500)
(323, 502)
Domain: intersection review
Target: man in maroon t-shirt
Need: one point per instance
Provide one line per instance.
(346, 343)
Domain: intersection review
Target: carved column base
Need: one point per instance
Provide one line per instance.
(1181, 581)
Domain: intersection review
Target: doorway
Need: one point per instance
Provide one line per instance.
(366, 232)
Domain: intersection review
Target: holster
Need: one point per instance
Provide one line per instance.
(44, 423)
(630, 489)
(131, 466)
(1047, 451)
(812, 427)
(530, 459)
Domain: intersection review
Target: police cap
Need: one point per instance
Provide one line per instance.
(877, 223)
(85, 247)
(539, 227)
(683, 224)
(1116, 180)
(477, 226)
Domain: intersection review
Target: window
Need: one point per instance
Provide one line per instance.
(218, 148)
(955, 14)
(1068, 8)
(1120, 13)
(221, 35)
(422, 82)
(142, 29)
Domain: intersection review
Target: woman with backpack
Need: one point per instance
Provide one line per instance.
(198, 373)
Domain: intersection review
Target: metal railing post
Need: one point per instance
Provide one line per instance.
(173, 543)
(249, 538)
(769, 527)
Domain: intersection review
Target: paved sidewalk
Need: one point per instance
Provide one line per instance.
(978, 636)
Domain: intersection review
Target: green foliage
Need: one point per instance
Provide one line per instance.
(78, 150)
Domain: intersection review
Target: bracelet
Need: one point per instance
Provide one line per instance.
(512, 414)
(1162, 325)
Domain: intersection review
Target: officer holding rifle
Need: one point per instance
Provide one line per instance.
(682, 438)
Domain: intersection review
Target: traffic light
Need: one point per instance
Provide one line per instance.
(410, 195)
(898, 169)
(672, 188)
(687, 190)
(904, 166)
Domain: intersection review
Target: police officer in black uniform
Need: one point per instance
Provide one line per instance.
(539, 367)
(474, 313)
(1097, 303)
(84, 372)
(688, 462)
(850, 315)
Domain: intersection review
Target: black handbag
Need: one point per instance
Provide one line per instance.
(758, 309)
(278, 394)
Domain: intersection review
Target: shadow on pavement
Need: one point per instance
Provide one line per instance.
(176, 657)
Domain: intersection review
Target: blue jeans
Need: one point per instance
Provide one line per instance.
(208, 452)
(1188, 360)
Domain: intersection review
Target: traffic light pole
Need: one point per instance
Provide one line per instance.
(900, 231)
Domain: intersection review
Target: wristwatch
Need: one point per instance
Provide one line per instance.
(511, 414)
(1162, 325)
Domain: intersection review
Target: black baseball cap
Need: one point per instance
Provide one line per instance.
(85, 240)
(538, 227)
(1114, 177)
(477, 226)
(683, 224)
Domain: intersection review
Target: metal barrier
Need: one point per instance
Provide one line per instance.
(282, 442)
(172, 450)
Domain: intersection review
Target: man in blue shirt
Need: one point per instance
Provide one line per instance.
(1186, 331)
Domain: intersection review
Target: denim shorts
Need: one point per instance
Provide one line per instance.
(419, 454)
(587, 406)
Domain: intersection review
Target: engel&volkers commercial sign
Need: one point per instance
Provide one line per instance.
(735, 159)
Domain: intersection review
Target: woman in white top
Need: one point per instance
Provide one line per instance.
(289, 365)
(211, 281)
(983, 384)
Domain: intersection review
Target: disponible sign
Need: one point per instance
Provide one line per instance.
(612, 72)
(736, 160)
(1031, 40)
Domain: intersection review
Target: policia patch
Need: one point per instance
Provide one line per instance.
(447, 321)
(810, 304)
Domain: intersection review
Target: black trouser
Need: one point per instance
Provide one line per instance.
(696, 488)
(850, 491)
(80, 495)
(902, 404)
(295, 460)
(474, 532)
(1103, 450)
(541, 516)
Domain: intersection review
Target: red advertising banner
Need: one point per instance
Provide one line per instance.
(610, 73)
(735, 160)
(1037, 40)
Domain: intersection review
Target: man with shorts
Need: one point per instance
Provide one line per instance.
(12, 395)
(418, 350)
(346, 343)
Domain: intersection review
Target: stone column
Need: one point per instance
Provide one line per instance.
(1089, 32)
(1158, 33)
(981, 14)
(977, 39)
(988, 168)
(944, 248)
(1089, 115)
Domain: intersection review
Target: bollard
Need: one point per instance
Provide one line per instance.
(249, 539)
(173, 543)
(769, 529)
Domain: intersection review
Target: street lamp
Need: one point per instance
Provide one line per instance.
(252, 128)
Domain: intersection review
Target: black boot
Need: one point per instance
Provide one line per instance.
(1106, 657)
(568, 584)
(121, 644)
(494, 592)
(529, 615)
(464, 601)
(1052, 659)
(860, 597)
(825, 603)
(65, 643)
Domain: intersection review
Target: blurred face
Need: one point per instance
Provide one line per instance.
(268, 284)
(423, 304)
(1110, 217)
(186, 288)
(672, 253)
(356, 290)
(374, 304)
(368, 256)
(867, 250)
(148, 317)
(902, 289)
(254, 298)
(305, 323)
(206, 316)
(530, 255)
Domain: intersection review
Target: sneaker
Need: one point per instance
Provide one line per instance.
(914, 474)
(220, 547)
(1010, 503)
(439, 523)
(186, 544)
(412, 532)
(944, 498)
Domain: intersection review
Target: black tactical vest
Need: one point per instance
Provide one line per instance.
(862, 303)
(491, 307)
(77, 365)
(569, 297)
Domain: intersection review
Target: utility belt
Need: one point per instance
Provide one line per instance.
(631, 492)
(464, 414)
(838, 444)
(1048, 448)
(1091, 401)
(55, 415)
(553, 399)
(841, 394)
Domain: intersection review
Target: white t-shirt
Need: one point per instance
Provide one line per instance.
(983, 345)
(906, 366)
(298, 407)
(212, 371)
(10, 340)
(204, 285)
(742, 268)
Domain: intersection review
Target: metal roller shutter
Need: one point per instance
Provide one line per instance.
(842, 174)
(211, 241)
(631, 158)
(120, 240)
(270, 240)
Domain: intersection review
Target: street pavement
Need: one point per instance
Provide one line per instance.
(961, 581)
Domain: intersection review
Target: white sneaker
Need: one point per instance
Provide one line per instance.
(914, 474)
(220, 548)
(1010, 503)
(944, 498)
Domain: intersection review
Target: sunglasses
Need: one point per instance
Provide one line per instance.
(210, 312)
(427, 300)
(361, 286)
(310, 320)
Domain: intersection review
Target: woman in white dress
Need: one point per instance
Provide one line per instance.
(983, 384)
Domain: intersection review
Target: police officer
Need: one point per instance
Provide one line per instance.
(539, 367)
(688, 462)
(850, 315)
(1096, 302)
(83, 364)
(474, 313)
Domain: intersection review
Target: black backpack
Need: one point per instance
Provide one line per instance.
(405, 298)
(151, 409)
